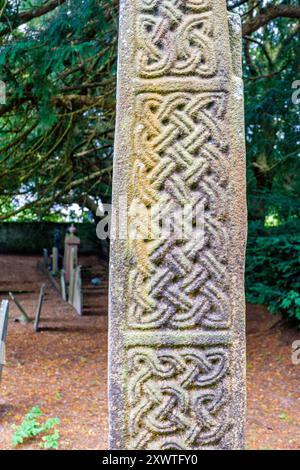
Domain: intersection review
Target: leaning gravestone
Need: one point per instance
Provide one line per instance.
(177, 341)
(24, 317)
(39, 308)
(4, 309)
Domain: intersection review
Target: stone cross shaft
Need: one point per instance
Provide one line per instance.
(176, 332)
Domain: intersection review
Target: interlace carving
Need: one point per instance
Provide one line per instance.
(181, 158)
(175, 328)
(177, 397)
(175, 37)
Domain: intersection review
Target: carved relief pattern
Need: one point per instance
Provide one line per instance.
(175, 37)
(181, 158)
(177, 397)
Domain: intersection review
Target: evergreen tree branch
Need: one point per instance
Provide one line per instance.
(268, 14)
(26, 16)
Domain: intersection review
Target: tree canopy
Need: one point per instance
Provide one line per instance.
(58, 61)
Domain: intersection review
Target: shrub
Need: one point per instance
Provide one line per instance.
(272, 269)
(31, 427)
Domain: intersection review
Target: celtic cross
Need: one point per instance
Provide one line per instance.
(177, 342)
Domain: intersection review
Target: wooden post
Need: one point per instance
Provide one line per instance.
(4, 310)
(39, 308)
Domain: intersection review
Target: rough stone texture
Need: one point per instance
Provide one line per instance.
(4, 309)
(39, 308)
(71, 248)
(177, 344)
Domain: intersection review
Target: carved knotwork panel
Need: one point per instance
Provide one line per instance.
(180, 159)
(175, 37)
(176, 302)
(177, 397)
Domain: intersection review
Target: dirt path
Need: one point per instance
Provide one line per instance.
(63, 368)
(273, 382)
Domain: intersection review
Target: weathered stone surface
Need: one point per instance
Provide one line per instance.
(78, 294)
(177, 345)
(4, 311)
(55, 260)
(71, 243)
(39, 308)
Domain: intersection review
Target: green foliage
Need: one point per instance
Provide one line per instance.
(51, 441)
(56, 130)
(271, 65)
(272, 271)
(32, 427)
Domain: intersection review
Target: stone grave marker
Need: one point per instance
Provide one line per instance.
(4, 312)
(77, 296)
(24, 317)
(63, 285)
(177, 310)
(39, 308)
(71, 267)
(54, 260)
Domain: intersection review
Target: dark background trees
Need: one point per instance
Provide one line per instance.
(58, 61)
